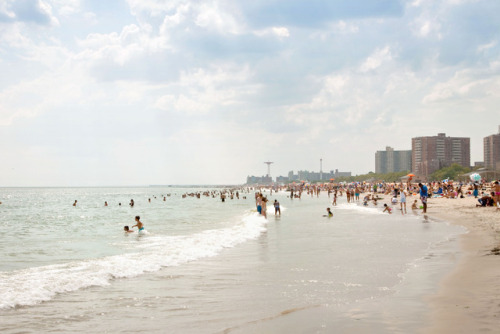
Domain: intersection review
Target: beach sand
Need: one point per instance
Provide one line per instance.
(468, 300)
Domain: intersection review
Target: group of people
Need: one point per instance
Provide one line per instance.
(139, 225)
(261, 204)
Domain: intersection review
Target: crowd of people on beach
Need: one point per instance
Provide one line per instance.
(371, 193)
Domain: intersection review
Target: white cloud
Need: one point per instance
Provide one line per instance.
(486, 47)
(376, 59)
(66, 7)
(31, 98)
(281, 32)
(215, 18)
(467, 85)
(207, 91)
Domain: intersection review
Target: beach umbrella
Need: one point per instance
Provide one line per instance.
(410, 175)
(475, 177)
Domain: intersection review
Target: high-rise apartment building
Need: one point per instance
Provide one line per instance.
(492, 151)
(390, 161)
(432, 153)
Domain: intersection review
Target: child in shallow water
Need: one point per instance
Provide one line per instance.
(387, 208)
(139, 224)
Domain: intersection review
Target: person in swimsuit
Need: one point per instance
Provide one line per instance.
(258, 202)
(126, 229)
(387, 208)
(277, 209)
(139, 225)
(329, 213)
(497, 192)
(423, 195)
(403, 201)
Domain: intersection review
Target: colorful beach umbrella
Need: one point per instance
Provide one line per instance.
(475, 177)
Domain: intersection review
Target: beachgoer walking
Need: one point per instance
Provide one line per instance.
(402, 200)
(423, 196)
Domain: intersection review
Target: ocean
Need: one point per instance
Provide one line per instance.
(207, 266)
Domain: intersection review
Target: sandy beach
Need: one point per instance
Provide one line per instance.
(468, 300)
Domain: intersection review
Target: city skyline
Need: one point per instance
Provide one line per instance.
(136, 92)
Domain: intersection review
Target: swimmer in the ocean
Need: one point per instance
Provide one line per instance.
(329, 213)
(139, 225)
(127, 230)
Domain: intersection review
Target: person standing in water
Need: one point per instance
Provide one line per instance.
(402, 201)
(277, 209)
(264, 207)
(139, 224)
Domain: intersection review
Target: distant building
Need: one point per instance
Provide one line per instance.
(340, 174)
(390, 161)
(282, 179)
(292, 177)
(259, 180)
(430, 154)
(305, 175)
(492, 151)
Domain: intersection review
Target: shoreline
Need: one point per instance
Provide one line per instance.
(465, 301)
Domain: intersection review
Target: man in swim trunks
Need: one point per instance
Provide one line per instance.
(139, 225)
(258, 202)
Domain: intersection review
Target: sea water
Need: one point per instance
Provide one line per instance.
(207, 266)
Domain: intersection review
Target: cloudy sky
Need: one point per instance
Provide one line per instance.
(139, 92)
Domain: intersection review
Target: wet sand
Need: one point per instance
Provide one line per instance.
(468, 300)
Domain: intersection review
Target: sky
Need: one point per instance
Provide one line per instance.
(141, 92)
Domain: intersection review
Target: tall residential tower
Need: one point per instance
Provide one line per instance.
(492, 151)
(432, 153)
(390, 161)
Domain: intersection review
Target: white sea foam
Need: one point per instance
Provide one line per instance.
(34, 285)
(360, 208)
